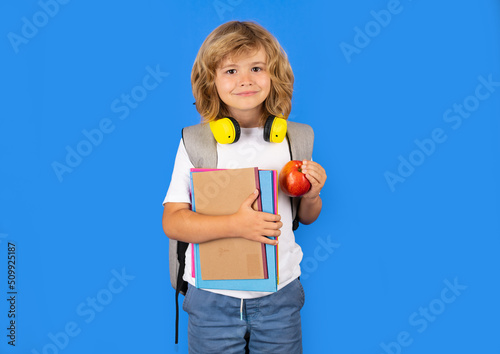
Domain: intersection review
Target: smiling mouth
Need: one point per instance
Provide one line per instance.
(247, 93)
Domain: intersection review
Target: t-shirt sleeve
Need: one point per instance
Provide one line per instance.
(179, 190)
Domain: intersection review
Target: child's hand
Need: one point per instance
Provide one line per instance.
(316, 175)
(255, 225)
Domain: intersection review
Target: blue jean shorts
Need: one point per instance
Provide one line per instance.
(223, 324)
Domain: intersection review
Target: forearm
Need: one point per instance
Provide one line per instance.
(309, 209)
(182, 224)
(188, 226)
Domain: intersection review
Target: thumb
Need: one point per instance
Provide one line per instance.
(251, 198)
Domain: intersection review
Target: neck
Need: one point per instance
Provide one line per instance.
(248, 119)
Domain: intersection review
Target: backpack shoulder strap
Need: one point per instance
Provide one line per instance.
(300, 142)
(200, 145)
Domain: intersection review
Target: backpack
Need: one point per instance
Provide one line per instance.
(201, 147)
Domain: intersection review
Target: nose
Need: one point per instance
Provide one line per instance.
(245, 79)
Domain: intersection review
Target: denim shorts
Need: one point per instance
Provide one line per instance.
(223, 324)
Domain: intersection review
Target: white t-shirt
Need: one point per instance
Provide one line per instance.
(249, 151)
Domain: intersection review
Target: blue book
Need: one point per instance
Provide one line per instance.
(267, 194)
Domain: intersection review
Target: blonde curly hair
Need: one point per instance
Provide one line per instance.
(233, 39)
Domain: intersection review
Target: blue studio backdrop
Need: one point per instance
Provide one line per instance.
(404, 97)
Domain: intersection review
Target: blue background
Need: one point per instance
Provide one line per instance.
(377, 256)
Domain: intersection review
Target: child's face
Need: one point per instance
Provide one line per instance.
(243, 83)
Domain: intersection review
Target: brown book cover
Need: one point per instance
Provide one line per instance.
(221, 192)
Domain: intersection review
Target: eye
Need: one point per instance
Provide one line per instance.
(231, 71)
(256, 69)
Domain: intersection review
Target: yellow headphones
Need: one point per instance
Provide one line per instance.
(227, 130)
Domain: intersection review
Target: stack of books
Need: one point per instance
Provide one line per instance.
(234, 263)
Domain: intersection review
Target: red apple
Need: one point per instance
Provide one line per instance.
(292, 181)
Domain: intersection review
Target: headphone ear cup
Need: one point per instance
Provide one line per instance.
(225, 130)
(275, 129)
(267, 128)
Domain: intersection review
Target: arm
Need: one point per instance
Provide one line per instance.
(311, 203)
(180, 223)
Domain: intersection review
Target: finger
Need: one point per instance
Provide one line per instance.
(265, 238)
(318, 174)
(268, 241)
(309, 164)
(272, 226)
(250, 199)
(313, 177)
(270, 217)
(268, 228)
(312, 166)
(278, 225)
(307, 168)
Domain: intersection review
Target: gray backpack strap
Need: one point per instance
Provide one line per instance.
(300, 141)
(200, 145)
